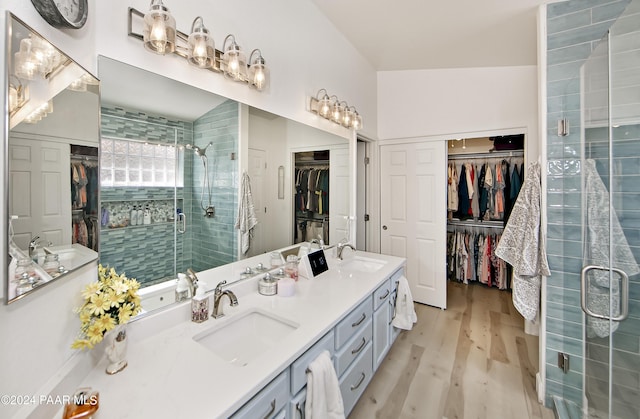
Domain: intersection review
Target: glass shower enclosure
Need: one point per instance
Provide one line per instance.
(609, 164)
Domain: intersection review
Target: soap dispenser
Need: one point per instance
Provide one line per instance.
(200, 306)
(147, 215)
(133, 217)
(182, 288)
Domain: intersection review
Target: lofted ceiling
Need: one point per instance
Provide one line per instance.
(423, 34)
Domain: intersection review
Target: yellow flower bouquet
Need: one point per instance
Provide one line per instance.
(109, 302)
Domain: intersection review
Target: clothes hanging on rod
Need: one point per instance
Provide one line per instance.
(486, 187)
(471, 257)
(312, 189)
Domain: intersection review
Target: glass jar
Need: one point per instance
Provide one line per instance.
(275, 259)
(51, 264)
(24, 269)
(291, 268)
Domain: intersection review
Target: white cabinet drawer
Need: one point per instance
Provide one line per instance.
(351, 350)
(351, 324)
(269, 402)
(381, 295)
(299, 366)
(356, 379)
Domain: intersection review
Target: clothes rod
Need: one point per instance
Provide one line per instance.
(490, 155)
(471, 223)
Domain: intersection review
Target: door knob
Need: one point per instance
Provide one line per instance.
(384, 227)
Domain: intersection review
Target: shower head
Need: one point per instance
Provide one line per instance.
(199, 151)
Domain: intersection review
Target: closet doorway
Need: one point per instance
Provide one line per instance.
(311, 196)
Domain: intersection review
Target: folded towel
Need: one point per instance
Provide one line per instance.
(324, 399)
(405, 315)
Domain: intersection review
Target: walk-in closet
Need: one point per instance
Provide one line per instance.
(311, 200)
(84, 196)
(484, 177)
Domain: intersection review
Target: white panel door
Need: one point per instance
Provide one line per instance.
(40, 185)
(339, 194)
(257, 174)
(413, 215)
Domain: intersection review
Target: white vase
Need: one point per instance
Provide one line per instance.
(116, 349)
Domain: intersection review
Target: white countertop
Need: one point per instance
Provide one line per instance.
(170, 375)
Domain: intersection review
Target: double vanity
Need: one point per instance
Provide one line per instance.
(252, 362)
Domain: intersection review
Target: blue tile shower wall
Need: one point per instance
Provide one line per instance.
(213, 240)
(574, 28)
(117, 245)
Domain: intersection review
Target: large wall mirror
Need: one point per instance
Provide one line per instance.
(52, 162)
(172, 158)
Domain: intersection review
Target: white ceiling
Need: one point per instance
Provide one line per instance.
(421, 34)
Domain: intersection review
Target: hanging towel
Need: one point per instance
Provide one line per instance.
(246, 220)
(522, 246)
(324, 399)
(600, 225)
(405, 315)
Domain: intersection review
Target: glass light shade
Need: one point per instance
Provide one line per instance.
(234, 62)
(78, 85)
(324, 107)
(25, 66)
(357, 121)
(201, 47)
(259, 74)
(46, 56)
(347, 117)
(13, 98)
(159, 32)
(336, 112)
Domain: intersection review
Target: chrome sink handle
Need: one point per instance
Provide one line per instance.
(218, 289)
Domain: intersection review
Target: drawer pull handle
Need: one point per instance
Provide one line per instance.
(359, 322)
(273, 409)
(359, 382)
(299, 410)
(382, 297)
(359, 348)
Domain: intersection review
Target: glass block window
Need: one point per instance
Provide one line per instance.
(135, 163)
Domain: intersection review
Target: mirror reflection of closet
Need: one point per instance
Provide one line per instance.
(311, 196)
(84, 196)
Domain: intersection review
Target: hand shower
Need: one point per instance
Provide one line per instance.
(206, 185)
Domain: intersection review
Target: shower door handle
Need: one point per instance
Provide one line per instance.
(183, 218)
(624, 292)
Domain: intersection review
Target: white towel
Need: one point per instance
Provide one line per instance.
(246, 220)
(324, 400)
(405, 315)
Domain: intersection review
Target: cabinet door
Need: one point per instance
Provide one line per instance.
(297, 405)
(381, 334)
(269, 402)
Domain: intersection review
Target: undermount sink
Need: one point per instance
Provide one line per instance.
(246, 336)
(362, 264)
(71, 256)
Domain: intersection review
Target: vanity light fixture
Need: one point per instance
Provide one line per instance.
(331, 108)
(201, 48)
(40, 112)
(159, 32)
(18, 94)
(258, 71)
(234, 62)
(160, 36)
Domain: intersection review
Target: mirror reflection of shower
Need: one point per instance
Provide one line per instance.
(208, 208)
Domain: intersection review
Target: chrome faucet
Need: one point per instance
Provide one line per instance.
(341, 247)
(193, 282)
(33, 246)
(217, 296)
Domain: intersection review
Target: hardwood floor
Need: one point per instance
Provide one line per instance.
(472, 360)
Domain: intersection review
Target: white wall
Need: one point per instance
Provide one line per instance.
(444, 102)
(305, 53)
